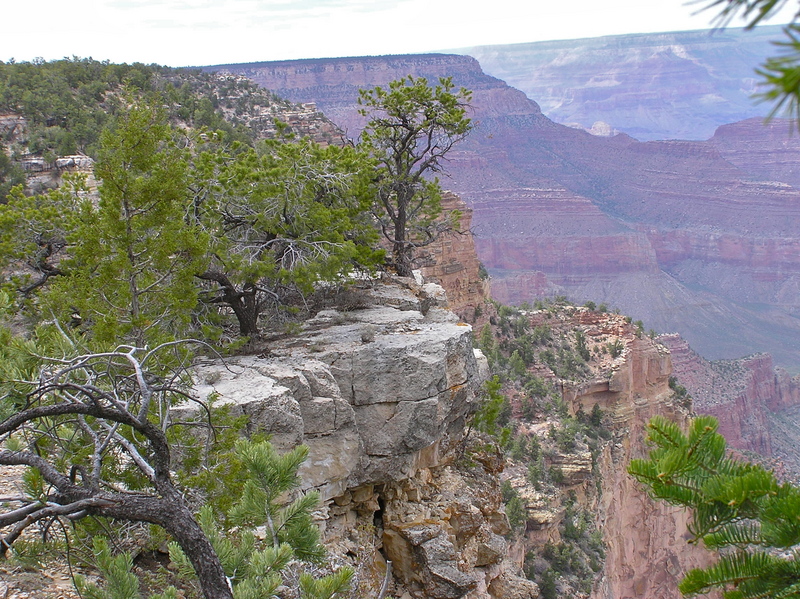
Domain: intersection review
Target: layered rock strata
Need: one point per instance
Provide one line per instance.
(452, 262)
(672, 85)
(376, 393)
(744, 394)
(647, 550)
(695, 237)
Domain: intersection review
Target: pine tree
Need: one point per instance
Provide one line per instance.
(269, 499)
(737, 506)
(281, 219)
(412, 127)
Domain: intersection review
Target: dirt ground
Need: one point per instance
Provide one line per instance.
(52, 580)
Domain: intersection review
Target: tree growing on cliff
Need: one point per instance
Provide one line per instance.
(93, 431)
(412, 128)
(235, 226)
(736, 506)
(281, 220)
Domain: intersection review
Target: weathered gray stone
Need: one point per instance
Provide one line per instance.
(319, 415)
(370, 412)
(509, 586)
(491, 550)
(444, 580)
(401, 428)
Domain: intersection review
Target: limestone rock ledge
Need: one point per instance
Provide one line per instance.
(381, 395)
(376, 393)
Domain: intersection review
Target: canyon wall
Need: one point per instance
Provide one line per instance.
(672, 85)
(647, 553)
(452, 262)
(381, 395)
(756, 404)
(693, 237)
(645, 549)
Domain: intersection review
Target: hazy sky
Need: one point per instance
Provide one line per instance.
(203, 32)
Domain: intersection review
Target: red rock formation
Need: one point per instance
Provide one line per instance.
(453, 263)
(751, 145)
(647, 552)
(741, 394)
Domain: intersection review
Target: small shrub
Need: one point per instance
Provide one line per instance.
(517, 514)
(547, 585)
(556, 475)
(615, 348)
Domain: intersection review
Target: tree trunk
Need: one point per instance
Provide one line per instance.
(171, 513)
(244, 303)
(195, 544)
(401, 255)
(246, 310)
(401, 250)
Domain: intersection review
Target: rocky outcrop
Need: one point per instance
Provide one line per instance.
(41, 175)
(742, 394)
(452, 262)
(768, 151)
(647, 553)
(12, 127)
(263, 116)
(380, 394)
(376, 393)
(681, 235)
(443, 531)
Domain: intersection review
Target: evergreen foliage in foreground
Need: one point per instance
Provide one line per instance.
(737, 508)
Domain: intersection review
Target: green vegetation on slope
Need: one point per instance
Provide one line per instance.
(532, 351)
(67, 103)
(197, 232)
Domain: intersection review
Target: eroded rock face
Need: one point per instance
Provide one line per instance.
(381, 394)
(443, 530)
(375, 393)
(452, 262)
(647, 550)
(295, 401)
(745, 395)
(672, 85)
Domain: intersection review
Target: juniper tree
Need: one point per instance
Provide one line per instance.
(91, 429)
(34, 234)
(736, 506)
(133, 254)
